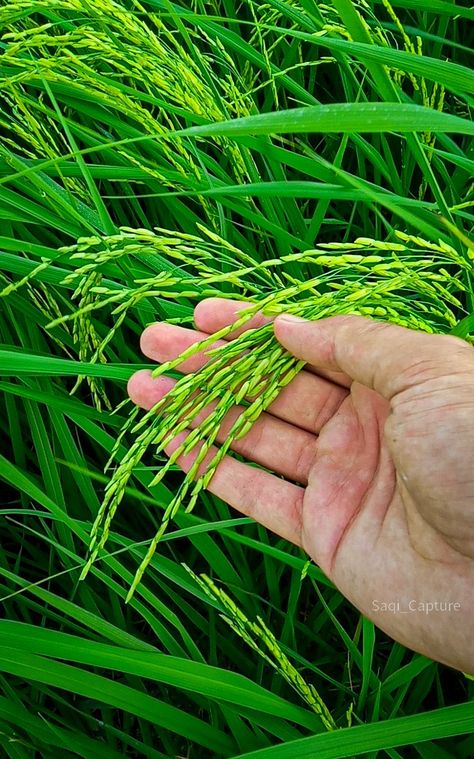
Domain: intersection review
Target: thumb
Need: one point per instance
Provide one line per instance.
(384, 357)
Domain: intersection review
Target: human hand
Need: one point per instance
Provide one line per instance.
(375, 442)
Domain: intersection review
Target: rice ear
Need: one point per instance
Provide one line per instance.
(398, 281)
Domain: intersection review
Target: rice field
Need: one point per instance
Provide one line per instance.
(300, 157)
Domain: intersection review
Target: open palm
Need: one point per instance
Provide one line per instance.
(370, 452)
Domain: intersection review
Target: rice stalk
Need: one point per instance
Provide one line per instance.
(148, 55)
(259, 637)
(103, 46)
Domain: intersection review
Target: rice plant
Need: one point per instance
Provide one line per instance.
(300, 157)
(366, 277)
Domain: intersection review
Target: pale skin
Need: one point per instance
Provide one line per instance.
(370, 452)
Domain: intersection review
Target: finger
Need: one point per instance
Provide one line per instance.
(164, 342)
(381, 356)
(271, 501)
(308, 401)
(272, 443)
(212, 314)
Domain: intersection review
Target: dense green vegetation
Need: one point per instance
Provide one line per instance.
(310, 157)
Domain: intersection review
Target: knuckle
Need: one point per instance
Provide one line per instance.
(329, 407)
(304, 458)
(458, 345)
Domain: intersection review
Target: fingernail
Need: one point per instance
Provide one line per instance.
(290, 319)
